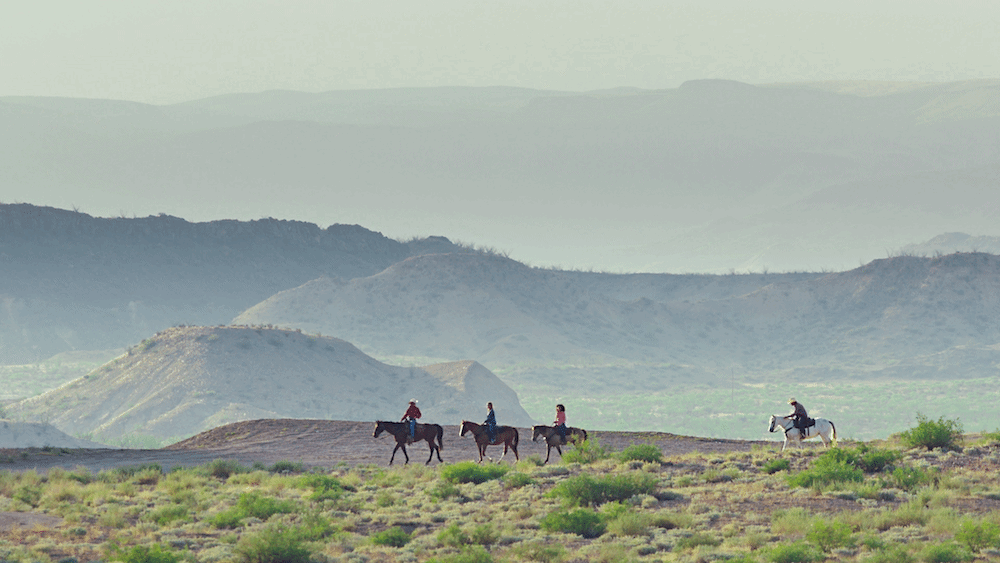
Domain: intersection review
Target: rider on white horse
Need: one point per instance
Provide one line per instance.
(799, 414)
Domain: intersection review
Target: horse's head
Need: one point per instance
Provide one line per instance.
(465, 428)
(379, 428)
(536, 431)
(778, 422)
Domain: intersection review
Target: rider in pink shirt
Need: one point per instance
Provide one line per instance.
(560, 421)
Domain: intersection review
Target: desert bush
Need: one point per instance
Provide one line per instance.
(945, 553)
(472, 472)
(799, 552)
(223, 468)
(471, 554)
(978, 535)
(587, 451)
(641, 452)
(830, 535)
(516, 480)
(890, 554)
(453, 536)
(671, 520)
(125, 473)
(283, 466)
(630, 524)
(586, 490)
(932, 434)
(394, 537)
(581, 521)
(325, 487)
(28, 494)
(167, 514)
(694, 540)
(912, 478)
(484, 534)
(444, 490)
(252, 504)
(154, 553)
(544, 552)
(274, 544)
(776, 465)
(826, 470)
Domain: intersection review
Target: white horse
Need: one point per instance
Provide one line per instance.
(823, 428)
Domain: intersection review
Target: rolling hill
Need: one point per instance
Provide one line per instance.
(186, 380)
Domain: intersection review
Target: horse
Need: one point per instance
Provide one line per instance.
(505, 434)
(401, 431)
(822, 428)
(554, 440)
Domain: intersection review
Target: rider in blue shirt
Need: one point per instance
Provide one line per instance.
(491, 423)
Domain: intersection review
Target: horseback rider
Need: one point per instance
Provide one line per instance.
(560, 421)
(491, 423)
(798, 416)
(411, 416)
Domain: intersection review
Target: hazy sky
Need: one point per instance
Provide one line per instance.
(165, 52)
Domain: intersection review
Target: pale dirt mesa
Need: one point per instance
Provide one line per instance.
(327, 443)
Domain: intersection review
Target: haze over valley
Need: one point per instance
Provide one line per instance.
(667, 216)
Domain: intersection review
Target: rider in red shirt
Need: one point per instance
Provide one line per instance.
(412, 414)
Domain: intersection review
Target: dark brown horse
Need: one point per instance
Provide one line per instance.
(506, 435)
(554, 440)
(401, 431)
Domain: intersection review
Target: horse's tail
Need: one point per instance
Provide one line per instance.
(440, 437)
(517, 436)
(834, 441)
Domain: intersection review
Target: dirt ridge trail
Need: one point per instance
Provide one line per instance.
(326, 443)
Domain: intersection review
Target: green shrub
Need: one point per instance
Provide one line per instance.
(585, 490)
(945, 553)
(453, 536)
(443, 490)
(484, 534)
(258, 506)
(776, 465)
(978, 535)
(516, 480)
(581, 521)
(28, 494)
(154, 553)
(472, 472)
(694, 540)
(394, 537)
(891, 554)
(826, 470)
(912, 478)
(223, 468)
(872, 460)
(828, 536)
(286, 467)
(167, 514)
(641, 452)
(630, 524)
(544, 552)
(252, 504)
(587, 451)
(799, 552)
(930, 434)
(274, 544)
(470, 554)
(325, 487)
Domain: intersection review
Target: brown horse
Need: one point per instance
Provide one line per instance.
(554, 440)
(507, 435)
(401, 431)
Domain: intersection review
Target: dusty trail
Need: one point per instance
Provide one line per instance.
(326, 443)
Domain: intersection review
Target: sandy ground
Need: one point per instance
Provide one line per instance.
(327, 443)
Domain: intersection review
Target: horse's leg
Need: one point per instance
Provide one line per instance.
(548, 452)
(513, 446)
(394, 452)
(403, 446)
(559, 449)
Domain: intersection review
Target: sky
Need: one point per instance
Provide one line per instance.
(182, 50)
(168, 52)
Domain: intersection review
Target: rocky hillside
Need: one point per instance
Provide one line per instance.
(186, 380)
(873, 319)
(69, 281)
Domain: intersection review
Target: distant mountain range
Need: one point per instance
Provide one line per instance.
(69, 281)
(711, 176)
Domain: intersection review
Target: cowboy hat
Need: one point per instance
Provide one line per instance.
(791, 401)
